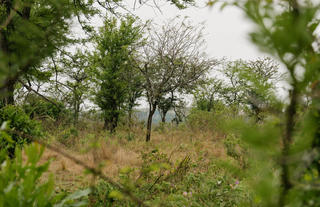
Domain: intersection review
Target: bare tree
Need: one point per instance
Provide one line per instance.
(173, 60)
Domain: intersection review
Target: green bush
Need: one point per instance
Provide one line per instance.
(204, 120)
(100, 195)
(19, 128)
(38, 108)
(236, 149)
(68, 136)
(20, 184)
(162, 182)
(200, 120)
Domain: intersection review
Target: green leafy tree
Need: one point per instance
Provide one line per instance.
(286, 30)
(251, 84)
(33, 30)
(38, 108)
(117, 46)
(208, 94)
(134, 82)
(30, 32)
(174, 103)
(180, 111)
(74, 86)
(165, 104)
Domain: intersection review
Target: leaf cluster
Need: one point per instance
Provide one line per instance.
(22, 184)
(17, 123)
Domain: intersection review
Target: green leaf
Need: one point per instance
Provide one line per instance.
(74, 196)
(116, 195)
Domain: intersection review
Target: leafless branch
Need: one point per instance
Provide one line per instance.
(36, 92)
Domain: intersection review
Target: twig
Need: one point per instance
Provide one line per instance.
(155, 182)
(42, 96)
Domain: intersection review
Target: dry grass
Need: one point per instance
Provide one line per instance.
(114, 153)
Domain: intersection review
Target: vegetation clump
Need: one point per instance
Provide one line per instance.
(17, 129)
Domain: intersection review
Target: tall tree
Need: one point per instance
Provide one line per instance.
(32, 30)
(117, 46)
(172, 60)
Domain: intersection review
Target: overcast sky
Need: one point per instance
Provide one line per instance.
(226, 32)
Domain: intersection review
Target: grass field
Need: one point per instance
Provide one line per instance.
(179, 153)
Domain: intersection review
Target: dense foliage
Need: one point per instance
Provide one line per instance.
(117, 46)
(281, 145)
(38, 108)
(21, 184)
(18, 126)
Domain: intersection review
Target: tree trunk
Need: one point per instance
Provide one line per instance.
(285, 181)
(111, 123)
(152, 109)
(163, 119)
(106, 124)
(8, 94)
(163, 116)
(76, 113)
(114, 123)
(130, 111)
(210, 105)
(130, 118)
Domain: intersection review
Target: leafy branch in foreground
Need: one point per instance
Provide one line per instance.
(20, 183)
(13, 117)
(289, 34)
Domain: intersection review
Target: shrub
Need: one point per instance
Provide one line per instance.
(68, 136)
(161, 182)
(20, 183)
(37, 107)
(19, 128)
(236, 149)
(100, 195)
(204, 120)
(201, 120)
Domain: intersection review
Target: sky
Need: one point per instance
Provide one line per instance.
(226, 31)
